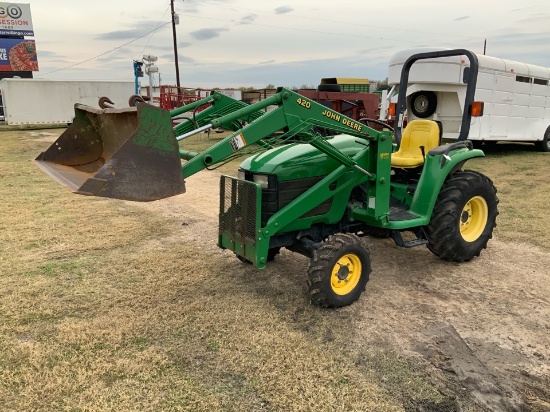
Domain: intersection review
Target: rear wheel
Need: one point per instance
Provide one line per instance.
(464, 217)
(339, 271)
(544, 144)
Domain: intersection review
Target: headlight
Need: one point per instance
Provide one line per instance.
(261, 180)
(241, 175)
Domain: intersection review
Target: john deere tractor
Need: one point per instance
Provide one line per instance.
(319, 182)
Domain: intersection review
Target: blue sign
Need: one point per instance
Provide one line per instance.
(18, 55)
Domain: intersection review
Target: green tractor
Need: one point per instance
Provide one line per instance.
(316, 194)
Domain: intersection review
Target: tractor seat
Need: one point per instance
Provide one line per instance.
(418, 133)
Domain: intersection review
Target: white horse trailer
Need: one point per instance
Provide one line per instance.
(516, 96)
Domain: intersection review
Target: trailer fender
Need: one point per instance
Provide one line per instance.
(441, 162)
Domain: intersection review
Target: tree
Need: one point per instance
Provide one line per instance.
(382, 84)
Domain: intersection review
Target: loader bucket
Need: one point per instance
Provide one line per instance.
(129, 154)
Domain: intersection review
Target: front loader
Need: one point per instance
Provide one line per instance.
(218, 105)
(316, 196)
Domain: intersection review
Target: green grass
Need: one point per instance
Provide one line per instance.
(519, 173)
(102, 310)
(94, 318)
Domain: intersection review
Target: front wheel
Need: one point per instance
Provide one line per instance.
(464, 217)
(339, 271)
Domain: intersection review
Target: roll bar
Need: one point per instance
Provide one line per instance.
(470, 88)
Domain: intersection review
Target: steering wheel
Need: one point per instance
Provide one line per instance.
(367, 120)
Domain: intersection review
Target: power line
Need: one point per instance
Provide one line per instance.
(158, 26)
(107, 52)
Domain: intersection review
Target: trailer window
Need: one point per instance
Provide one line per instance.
(523, 79)
(542, 82)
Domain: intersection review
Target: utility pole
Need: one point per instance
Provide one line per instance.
(175, 20)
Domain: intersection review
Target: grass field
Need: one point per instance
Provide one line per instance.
(103, 311)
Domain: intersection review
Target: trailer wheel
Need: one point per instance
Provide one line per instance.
(464, 217)
(544, 144)
(423, 103)
(339, 271)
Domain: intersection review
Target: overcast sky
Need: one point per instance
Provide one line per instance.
(232, 43)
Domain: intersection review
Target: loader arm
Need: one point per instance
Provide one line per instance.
(219, 105)
(294, 114)
(133, 153)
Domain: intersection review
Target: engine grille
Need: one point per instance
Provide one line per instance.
(238, 209)
(286, 191)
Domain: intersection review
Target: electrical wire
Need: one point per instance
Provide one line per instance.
(158, 26)
(107, 52)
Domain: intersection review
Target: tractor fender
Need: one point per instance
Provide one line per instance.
(441, 162)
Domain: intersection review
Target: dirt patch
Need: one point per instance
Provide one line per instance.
(44, 135)
(481, 328)
(484, 325)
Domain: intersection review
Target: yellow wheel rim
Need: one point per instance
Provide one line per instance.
(346, 274)
(474, 218)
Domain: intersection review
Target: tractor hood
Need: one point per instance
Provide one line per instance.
(301, 160)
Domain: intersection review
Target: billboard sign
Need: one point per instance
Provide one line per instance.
(18, 55)
(15, 20)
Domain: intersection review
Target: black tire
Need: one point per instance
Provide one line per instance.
(544, 144)
(464, 217)
(477, 144)
(330, 288)
(271, 253)
(423, 104)
(329, 88)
